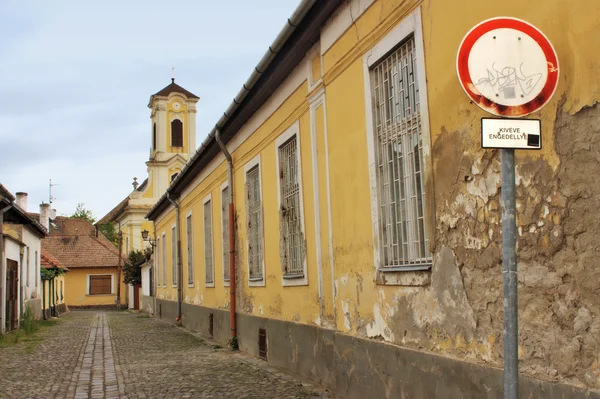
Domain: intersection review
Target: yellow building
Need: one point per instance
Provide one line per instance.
(53, 285)
(173, 141)
(92, 261)
(367, 222)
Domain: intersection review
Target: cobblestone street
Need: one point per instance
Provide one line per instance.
(96, 354)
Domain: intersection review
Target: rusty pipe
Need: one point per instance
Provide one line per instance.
(232, 305)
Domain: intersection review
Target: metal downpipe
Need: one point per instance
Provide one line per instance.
(232, 305)
(179, 265)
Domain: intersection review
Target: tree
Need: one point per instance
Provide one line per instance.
(82, 213)
(109, 231)
(132, 273)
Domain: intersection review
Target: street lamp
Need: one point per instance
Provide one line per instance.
(145, 237)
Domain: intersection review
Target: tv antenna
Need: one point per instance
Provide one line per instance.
(50, 197)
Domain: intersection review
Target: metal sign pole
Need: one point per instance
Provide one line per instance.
(509, 275)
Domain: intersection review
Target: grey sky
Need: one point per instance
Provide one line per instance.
(76, 76)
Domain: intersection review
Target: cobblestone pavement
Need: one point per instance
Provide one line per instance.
(122, 355)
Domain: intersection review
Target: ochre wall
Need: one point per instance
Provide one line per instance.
(455, 309)
(76, 288)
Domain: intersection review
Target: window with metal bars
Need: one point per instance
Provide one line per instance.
(164, 260)
(292, 241)
(158, 261)
(174, 255)
(225, 231)
(399, 160)
(254, 224)
(190, 249)
(208, 257)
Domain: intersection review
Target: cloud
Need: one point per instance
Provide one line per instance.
(76, 77)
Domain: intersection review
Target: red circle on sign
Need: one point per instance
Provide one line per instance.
(466, 81)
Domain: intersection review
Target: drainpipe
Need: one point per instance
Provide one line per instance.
(179, 265)
(232, 309)
(44, 299)
(2, 267)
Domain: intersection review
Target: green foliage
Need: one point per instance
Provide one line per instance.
(29, 324)
(82, 213)
(132, 274)
(109, 231)
(233, 343)
(49, 274)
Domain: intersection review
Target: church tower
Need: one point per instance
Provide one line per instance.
(173, 135)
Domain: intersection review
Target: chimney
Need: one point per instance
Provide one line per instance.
(45, 215)
(22, 200)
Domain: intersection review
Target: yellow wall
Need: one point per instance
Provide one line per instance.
(76, 288)
(352, 301)
(58, 300)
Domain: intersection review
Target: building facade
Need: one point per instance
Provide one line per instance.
(92, 261)
(368, 218)
(20, 251)
(173, 141)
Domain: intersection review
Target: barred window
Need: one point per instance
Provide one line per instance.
(399, 160)
(254, 224)
(164, 260)
(37, 268)
(190, 249)
(225, 230)
(157, 261)
(174, 255)
(208, 257)
(28, 262)
(292, 242)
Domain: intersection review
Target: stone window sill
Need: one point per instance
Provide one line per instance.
(411, 276)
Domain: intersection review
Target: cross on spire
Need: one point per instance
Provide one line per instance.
(173, 72)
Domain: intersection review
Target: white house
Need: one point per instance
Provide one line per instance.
(20, 252)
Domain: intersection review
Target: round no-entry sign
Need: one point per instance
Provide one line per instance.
(507, 67)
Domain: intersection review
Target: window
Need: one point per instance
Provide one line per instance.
(164, 260)
(154, 136)
(292, 241)
(37, 269)
(190, 249)
(254, 224)
(27, 265)
(100, 284)
(398, 142)
(61, 291)
(174, 255)
(225, 230)
(208, 258)
(157, 261)
(176, 133)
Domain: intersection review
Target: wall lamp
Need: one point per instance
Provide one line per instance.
(145, 237)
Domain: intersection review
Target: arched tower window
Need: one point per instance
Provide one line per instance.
(154, 136)
(176, 133)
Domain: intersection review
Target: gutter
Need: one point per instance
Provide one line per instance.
(281, 39)
(179, 265)
(232, 306)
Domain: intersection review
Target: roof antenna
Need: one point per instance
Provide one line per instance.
(173, 71)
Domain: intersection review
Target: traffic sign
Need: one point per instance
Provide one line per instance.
(507, 67)
(511, 133)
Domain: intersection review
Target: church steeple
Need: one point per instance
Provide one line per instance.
(173, 133)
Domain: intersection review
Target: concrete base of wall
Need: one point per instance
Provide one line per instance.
(147, 304)
(362, 368)
(35, 306)
(60, 309)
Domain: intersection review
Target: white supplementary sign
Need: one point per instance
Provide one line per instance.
(511, 133)
(507, 67)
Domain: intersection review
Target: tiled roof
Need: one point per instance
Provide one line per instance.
(175, 88)
(48, 261)
(74, 243)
